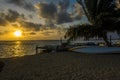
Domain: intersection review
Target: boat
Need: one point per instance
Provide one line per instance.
(96, 49)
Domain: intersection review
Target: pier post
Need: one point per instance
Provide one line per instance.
(36, 49)
(110, 40)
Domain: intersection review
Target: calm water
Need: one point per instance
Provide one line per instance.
(21, 48)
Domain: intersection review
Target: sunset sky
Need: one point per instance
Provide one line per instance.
(38, 19)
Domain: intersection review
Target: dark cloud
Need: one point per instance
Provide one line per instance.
(50, 12)
(50, 24)
(17, 2)
(15, 25)
(63, 17)
(12, 16)
(32, 33)
(46, 10)
(22, 3)
(58, 13)
(63, 4)
(30, 26)
(23, 16)
(30, 16)
(28, 6)
(2, 22)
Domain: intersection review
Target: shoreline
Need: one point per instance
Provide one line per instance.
(62, 65)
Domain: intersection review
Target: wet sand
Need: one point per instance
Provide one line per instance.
(62, 66)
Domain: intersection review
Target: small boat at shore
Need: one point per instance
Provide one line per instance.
(96, 49)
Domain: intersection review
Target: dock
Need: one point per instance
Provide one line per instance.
(50, 48)
(46, 48)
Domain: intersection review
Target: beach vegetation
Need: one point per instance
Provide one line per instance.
(103, 17)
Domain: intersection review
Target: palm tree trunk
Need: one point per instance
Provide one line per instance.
(106, 40)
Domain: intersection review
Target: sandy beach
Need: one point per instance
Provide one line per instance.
(62, 66)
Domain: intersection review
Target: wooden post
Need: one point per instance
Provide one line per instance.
(36, 49)
(61, 41)
(110, 40)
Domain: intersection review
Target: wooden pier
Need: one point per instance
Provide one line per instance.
(38, 47)
(50, 48)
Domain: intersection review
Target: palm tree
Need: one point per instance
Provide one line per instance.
(103, 17)
(86, 31)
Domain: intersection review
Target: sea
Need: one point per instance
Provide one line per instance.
(21, 48)
(28, 47)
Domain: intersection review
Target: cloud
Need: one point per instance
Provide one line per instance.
(52, 32)
(57, 12)
(17, 2)
(63, 17)
(1, 33)
(2, 22)
(78, 11)
(32, 33)
(50, 24)
(18, 20)
(16, 25)
(47, 11)
(63, 4)
(30, 26)
(28, 6)
(118, 3)
(48, 32)
(30, 16)
(4, 32)
(22, 3)
(12, 16)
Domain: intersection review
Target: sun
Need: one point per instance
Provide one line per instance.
(18, 33)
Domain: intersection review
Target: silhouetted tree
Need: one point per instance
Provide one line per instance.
(103, 16)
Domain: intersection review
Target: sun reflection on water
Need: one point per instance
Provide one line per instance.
(18, 50)
(18, 42)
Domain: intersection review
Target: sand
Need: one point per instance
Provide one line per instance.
(62, 66)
